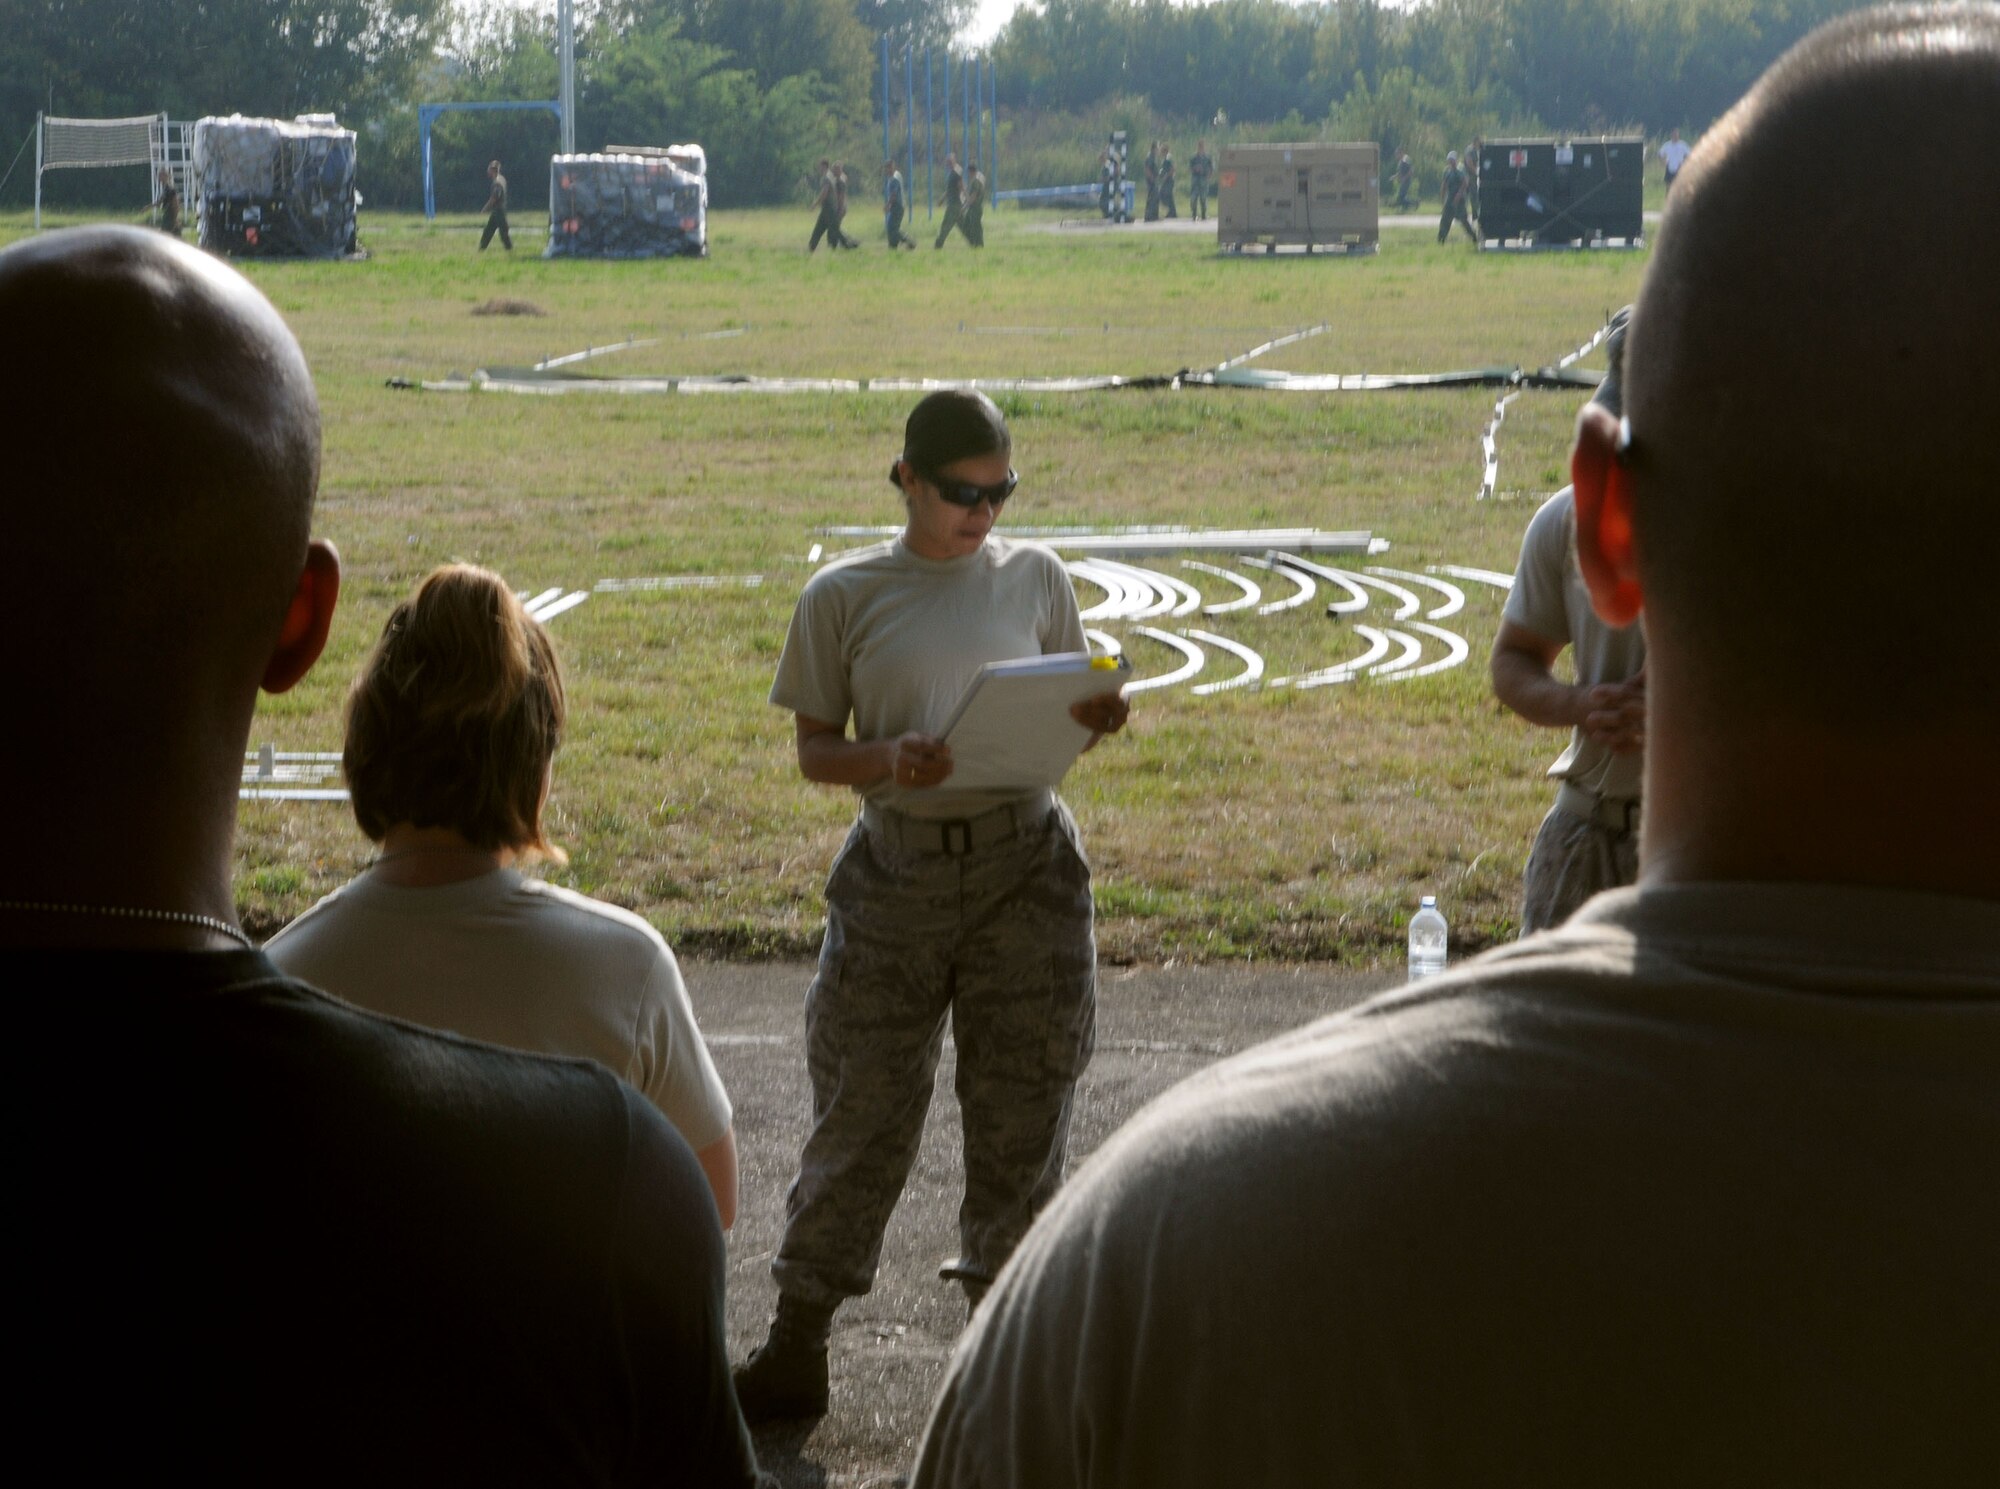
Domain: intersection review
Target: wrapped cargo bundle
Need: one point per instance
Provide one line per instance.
(629, 204)
(275, 188)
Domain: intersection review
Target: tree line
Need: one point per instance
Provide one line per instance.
(767, 85)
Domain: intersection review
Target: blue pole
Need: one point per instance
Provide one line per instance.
(965, 92)
(947, 103)
(993, 128)
(885, 119)
(930, 161)
(909, 113)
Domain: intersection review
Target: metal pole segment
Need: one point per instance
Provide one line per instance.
(885, 118)
(426, 116)
(930, 163)
(38, 170)
(993, 144)
(947, 103)
(566, 100)
(909, 114)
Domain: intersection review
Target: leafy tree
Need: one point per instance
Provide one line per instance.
(913, 22)
(110, 58)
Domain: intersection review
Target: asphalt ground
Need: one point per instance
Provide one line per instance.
(1155, 1026)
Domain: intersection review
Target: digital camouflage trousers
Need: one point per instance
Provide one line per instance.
(997, 940)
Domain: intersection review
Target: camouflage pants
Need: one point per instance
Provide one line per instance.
(1573, 859)
(998, 939)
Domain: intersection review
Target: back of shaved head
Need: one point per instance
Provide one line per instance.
(161, 441)
(1811, 383)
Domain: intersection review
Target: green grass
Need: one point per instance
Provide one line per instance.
(1245, 824)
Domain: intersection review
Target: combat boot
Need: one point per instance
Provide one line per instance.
(785, 1376)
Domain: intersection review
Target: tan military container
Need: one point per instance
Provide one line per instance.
(1311, 196)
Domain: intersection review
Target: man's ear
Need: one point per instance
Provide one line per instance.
(308, 620)
(1606, 549)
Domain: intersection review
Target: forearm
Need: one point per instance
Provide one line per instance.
(835, 760)
(718, 1164)
(1531, 690)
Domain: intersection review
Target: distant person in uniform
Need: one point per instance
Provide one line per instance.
(974, 223)
(1201, 169)
(1699, 1188)
(894, 201)
(1456, 185)
(954, 199)
(169, 205)
(496, 210)
(826, 224)
(337, 1249)
(840, 235)
(1168, 206)
(964, 906)
(1152, 178)
(1406, 175)
(1673, 155)
(1589, 841)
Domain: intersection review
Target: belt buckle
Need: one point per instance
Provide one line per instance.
(963, 828)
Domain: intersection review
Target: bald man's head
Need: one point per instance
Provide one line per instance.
(1811, 379)
(161, 440)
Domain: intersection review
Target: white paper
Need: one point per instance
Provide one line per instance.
(1013, 730)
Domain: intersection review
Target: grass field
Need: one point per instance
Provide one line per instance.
(1268, 823)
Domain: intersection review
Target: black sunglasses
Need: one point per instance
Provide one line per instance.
(965, 494)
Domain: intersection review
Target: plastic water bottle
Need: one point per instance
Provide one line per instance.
(1427, 941)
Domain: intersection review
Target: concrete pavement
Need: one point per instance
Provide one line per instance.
(1156, 1025)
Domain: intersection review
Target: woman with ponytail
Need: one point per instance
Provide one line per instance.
(452, 729)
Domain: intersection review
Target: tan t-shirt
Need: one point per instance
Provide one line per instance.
(516, 962)
(1550, 598)
(892, 640)
(1697, 1189)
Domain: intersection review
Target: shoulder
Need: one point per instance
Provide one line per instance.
(1551, 528)
(296, 948)
(605, 930)
(448, 1080)
(1026, 556)
(1349, 1096)
(853, 571)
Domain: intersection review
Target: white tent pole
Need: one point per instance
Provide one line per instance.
(38, 170)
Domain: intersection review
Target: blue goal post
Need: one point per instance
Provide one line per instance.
(427, 115)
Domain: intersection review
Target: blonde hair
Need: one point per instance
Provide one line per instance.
(455, 719)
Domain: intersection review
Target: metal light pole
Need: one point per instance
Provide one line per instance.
(566, 62)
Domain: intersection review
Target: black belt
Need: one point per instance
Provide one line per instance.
(953, 836)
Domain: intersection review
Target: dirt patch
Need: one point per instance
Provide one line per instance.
(508, 307)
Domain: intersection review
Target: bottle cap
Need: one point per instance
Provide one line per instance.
(1429, 902)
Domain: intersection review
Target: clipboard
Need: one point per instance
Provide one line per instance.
(1012, 729)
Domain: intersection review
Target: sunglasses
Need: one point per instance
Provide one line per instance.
(965, 494)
